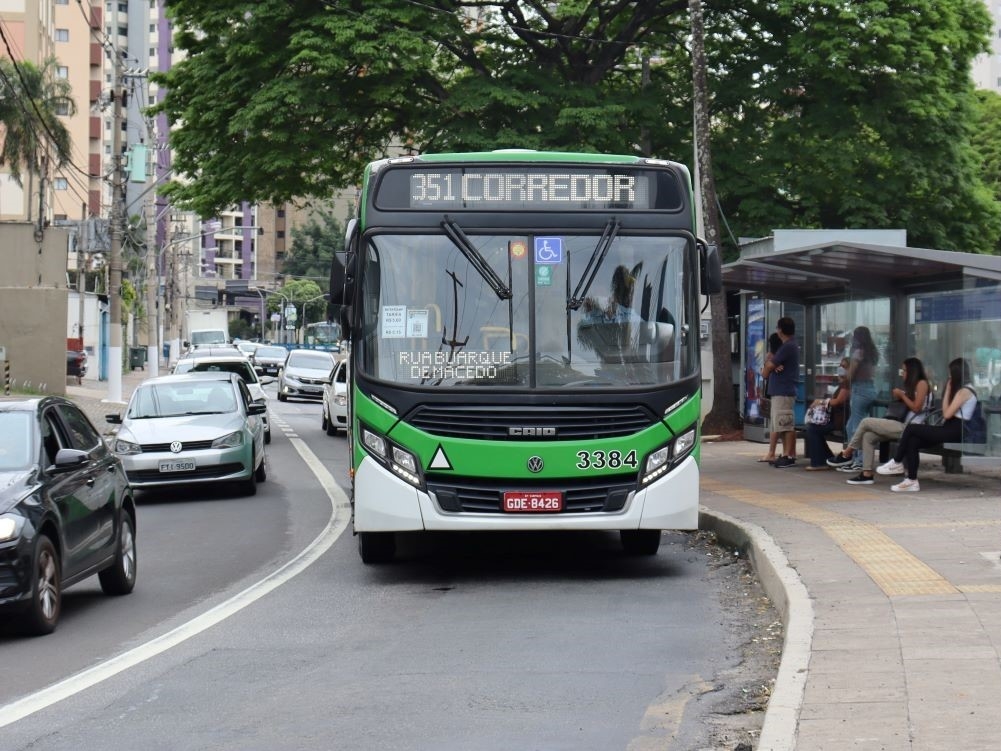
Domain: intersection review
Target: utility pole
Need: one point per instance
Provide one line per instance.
(81, 285)
(117, 212)
(152, 289)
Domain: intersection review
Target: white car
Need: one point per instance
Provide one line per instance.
(335, 399)
(304, 374)
(243, 368)
(192, 428)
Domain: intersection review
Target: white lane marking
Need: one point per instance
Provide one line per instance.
(338, 522)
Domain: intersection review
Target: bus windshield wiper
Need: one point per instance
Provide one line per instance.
(591, 270)
(476, 259)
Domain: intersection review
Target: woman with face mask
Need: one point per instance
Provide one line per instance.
(916, 394)
(817, 450)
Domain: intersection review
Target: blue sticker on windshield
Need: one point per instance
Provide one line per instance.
(549, 250)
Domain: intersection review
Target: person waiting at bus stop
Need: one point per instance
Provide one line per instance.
(783, 375)
(815, 440)
(915, 397)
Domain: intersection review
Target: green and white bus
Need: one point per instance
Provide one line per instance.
(524, 331)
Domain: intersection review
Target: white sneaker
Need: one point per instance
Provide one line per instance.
(890, 468)
(906, 486)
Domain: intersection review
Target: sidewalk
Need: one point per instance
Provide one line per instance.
(92, 395)
(891, 602)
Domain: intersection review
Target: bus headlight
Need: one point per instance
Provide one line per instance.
(659, 462)
(374, 442)
(655, 465)
(683, 443)
(400, 462)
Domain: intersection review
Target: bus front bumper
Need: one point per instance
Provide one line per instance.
(384, 503)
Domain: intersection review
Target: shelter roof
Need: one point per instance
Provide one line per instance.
(831, 271)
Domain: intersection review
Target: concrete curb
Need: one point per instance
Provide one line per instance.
(789, 596)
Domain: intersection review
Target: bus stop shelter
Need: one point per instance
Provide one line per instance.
(932, 304)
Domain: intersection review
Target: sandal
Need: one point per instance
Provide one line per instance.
(766, 460)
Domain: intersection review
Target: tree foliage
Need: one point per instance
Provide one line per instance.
(987, 144)
(313, 248)
(826, 113)
(31, 99)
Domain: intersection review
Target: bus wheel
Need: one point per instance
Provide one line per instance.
(640, 541)
(376, 547)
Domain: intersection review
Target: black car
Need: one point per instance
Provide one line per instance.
(66, 510)
(269, 360)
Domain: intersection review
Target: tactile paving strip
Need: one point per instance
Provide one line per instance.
(894, 570)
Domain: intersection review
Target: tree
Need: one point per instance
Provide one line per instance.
(313, 248)
(723, 415)
(313, 91)
(986, 140)
(31, 100)
(852, 115)
(825, 114)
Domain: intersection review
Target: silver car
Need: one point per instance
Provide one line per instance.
(192, 428)
(304, 374)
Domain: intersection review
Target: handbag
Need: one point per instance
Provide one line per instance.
(935, 417)
(896, 410)
(819, 414)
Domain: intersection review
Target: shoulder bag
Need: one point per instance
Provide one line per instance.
(896, 410)
(819, 414)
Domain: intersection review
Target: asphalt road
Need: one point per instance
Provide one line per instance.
(538, 641)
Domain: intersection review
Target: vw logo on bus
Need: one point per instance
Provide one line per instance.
(535, 464)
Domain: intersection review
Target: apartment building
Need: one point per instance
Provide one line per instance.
(64, 31)
(987, 67)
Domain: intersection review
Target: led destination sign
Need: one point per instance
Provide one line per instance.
(558, 188)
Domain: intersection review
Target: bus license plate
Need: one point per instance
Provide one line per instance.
(522, 502)
(177, 466)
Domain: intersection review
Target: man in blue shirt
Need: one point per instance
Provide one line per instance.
(783, 373)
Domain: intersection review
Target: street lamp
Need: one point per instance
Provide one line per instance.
(261, 293)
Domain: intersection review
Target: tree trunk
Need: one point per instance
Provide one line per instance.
(723, 418)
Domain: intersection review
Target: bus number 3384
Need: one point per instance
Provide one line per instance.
(605, 460)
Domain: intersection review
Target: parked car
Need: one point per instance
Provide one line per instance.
(66, 510)
(242, 367)
(192, 428)
(269, 359)
(76, 364)
(335, 399)
(304, 374)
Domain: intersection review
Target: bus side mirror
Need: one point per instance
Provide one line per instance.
(711, 268)
(346, 320)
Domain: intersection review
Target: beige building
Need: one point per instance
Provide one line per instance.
(33, 307)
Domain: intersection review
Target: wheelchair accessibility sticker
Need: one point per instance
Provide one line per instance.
(549, 250)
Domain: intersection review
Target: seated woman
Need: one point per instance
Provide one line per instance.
(817, 449)
(916, 394)
(959, 402)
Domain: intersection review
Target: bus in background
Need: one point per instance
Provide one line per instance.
(524, 329)
(322, 335)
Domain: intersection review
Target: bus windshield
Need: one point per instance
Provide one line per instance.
(432, 316)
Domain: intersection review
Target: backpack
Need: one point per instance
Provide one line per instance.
(975, 429)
